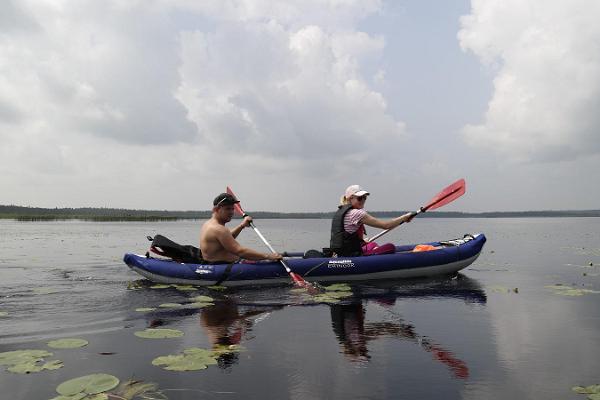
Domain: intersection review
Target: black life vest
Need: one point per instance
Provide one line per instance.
(343, 243)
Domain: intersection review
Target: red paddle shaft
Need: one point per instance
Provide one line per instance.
(298, 280)
(449, 194)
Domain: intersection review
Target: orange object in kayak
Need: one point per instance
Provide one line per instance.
(423, 247)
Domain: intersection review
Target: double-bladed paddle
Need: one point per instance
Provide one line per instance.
(297, 279)
(449, 194)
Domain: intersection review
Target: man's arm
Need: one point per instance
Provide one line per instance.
(245, 223)
(225, 237)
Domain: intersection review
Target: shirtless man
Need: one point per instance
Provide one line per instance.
(218, 243)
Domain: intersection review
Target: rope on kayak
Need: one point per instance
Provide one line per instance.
(315, 267)
(225, 274)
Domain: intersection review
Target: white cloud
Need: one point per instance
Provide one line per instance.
(96, 94)
(267, 88)
(87, 67)
(547, 88)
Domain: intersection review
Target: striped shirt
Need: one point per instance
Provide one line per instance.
(352, 219)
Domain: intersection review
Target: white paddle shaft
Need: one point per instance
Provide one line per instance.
(268, 245)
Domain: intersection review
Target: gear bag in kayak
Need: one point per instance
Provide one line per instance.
(165, 247)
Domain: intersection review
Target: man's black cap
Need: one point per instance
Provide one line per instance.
(225, 199)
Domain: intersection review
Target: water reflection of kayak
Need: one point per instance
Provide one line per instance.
(447, 258)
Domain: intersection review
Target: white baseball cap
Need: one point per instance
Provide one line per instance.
(355, 190)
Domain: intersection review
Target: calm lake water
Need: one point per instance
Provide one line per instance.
(494, 332)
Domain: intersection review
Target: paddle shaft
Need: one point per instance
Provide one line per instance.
(455, 192)
(289, 271)
(380, 234)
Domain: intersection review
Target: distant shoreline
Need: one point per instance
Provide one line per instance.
(116, 214)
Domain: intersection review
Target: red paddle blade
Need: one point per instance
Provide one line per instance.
(300, 282)
(447, 195)
(237, 206)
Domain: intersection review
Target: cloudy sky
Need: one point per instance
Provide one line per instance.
(161, 104)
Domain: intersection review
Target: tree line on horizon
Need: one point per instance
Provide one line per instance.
(22, 213)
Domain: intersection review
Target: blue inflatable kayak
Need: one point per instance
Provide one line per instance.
(447, 258)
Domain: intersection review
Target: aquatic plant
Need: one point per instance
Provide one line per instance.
(593, 391)
(135, 285)
(202, 299)
(217, 287)
(173, 285)
(170, 305)
(185, 287)
(193, 359)
(565, 290)
(84, 386)
(67, 343)
(198, 304)
(28, 361)
(45, 290)
(159, 333)
(338, 287)
(138, 389)
(331, 297)
(160, 286)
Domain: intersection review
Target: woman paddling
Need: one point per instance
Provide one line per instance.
(348, 226)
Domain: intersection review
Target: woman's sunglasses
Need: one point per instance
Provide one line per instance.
(361, 198)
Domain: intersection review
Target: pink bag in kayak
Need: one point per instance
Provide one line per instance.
(372, 249)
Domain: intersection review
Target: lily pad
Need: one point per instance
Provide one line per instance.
(227, 349)
(145, 309)
(590, 389)
(44, 290)
(339, 295)
(3, 314)
(323, 298)
(22, 356)
(202, 299)
(28, 361)
(135, 285)
(192, 359)
(339, 287)
(77, 396)
(53, 364)
(88, 384)
(217, 287)
(99, 396)
(186, 288)
(160, 286)
(558, 287)
(159, 333)
(34, 366)
(199, 305)
(170, 305)
(564, 290)
(68, 343)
